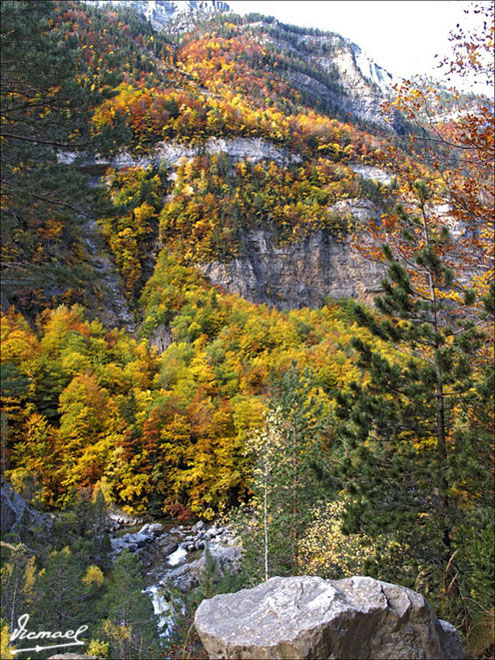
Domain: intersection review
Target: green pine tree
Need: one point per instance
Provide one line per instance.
(61, 600)
(47, 94)
(414, 453)
(129, 622)
(17, 576)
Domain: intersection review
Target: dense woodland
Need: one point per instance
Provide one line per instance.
(365, 431)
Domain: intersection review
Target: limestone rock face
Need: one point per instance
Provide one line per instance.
(299, 274)
(161, 338)
(308, 617)
(160, 12)
(170, 153)
(114, 311)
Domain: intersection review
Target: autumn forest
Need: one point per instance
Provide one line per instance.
(132, 380)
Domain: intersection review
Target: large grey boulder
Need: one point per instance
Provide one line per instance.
(308, 617)
(72, 656)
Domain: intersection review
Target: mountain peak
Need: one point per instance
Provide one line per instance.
(160, 12)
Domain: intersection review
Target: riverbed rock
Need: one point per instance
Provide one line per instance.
(308, 617)
(118, 544)
(212, 532)
(131, 542)
(188, 575)
(167, 547)
(185, 577)
(152, 529)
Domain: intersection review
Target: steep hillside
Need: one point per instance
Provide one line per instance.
(214, 185)
(207, 162)
(253, 91)
(216, 162)
(197, 208)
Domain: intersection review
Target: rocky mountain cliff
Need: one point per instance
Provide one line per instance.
(322, 70)
(302, 273)
(160, 12)
(344, 76)
(283, 124)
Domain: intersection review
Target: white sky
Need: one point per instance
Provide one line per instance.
(402, 36)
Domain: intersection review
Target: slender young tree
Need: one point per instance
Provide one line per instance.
(287, 477)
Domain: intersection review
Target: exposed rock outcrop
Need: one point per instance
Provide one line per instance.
(345, 78)
(298, 274)
(373, 173)
(308, 617)
(161, 338)
(161, 12)
(109, 296)
(171, 152)
(16, 514)
(366, 84)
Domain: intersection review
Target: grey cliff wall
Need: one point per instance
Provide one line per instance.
(109, 300)
(300, 274)
(171, 152)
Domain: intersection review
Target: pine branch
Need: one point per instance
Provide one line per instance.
(40, 141)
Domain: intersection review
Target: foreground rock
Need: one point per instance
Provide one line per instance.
(308, 617)
(72, 656)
